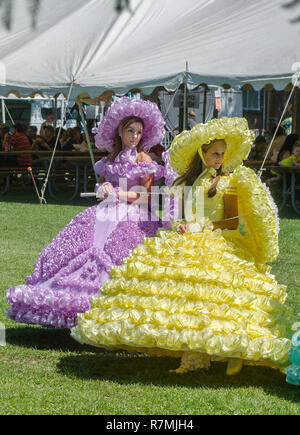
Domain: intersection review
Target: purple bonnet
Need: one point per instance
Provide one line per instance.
(154, 123)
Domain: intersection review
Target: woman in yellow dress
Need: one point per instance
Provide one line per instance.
(201, 291)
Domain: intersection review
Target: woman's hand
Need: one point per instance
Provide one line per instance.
(195, 227)
(104, 190)
(182, 228)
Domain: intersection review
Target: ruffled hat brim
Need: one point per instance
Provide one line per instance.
(154, 124)
(234, 131)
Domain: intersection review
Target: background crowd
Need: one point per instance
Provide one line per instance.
(285, 149)
(22, 138)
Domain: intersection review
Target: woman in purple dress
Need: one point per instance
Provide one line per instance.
(75, 264)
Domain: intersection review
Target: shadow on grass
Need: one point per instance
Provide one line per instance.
(125, 368)
(36, 337)
(91, 363)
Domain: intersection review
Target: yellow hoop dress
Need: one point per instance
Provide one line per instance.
(207, 293)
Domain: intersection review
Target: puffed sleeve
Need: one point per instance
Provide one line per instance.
(100, 166)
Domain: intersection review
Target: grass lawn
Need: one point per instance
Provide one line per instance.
(44, 371)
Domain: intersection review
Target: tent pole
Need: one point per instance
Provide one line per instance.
(62, 108)
(295, 111)
(204, 103)
(86, 134)
(185, 98)
(3, 110)
(170, 104)
(55, 112)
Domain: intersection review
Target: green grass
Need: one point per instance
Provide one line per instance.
(44, 371)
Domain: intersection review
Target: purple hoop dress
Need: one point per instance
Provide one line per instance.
(75, 264)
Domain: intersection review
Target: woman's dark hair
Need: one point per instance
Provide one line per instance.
(126, 122)
(20, 127)
(32, 127)
(4, 130)
(195, 169)
(74, 131)
(260, 140)
(280, 131)
(288, 144)
(61, 130)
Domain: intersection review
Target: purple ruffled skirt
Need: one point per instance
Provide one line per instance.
(75, 264)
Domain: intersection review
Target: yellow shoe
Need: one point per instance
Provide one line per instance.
(234, 366)
(191, 361)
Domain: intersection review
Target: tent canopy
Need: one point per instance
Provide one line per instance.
(88, 43)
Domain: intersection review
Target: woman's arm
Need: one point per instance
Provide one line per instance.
(101, 180)
(230, 211)
(141, 198)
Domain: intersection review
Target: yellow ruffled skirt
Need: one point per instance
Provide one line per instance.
(192, 295)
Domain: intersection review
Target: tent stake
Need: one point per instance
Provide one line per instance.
(29, 169)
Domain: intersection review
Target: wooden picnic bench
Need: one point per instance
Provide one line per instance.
(70, 166)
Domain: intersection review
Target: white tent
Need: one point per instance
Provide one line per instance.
(88, 43)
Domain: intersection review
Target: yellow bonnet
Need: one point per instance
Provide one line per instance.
(234, 131)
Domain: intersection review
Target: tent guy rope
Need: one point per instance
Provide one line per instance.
(295, 80)
(42, 197)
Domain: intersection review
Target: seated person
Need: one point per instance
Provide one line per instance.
(294, 158)
(83, 146)
(269, 132)
(48, 122)
(20, 142)
(66, 135)
(4, 137)
(259, 150)
(277, 144)
(287, 147)
(32, 133)
(191, 120)
(76, 138)
(61, 133)
(287, 124)
(47, 142)
(294, 161)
